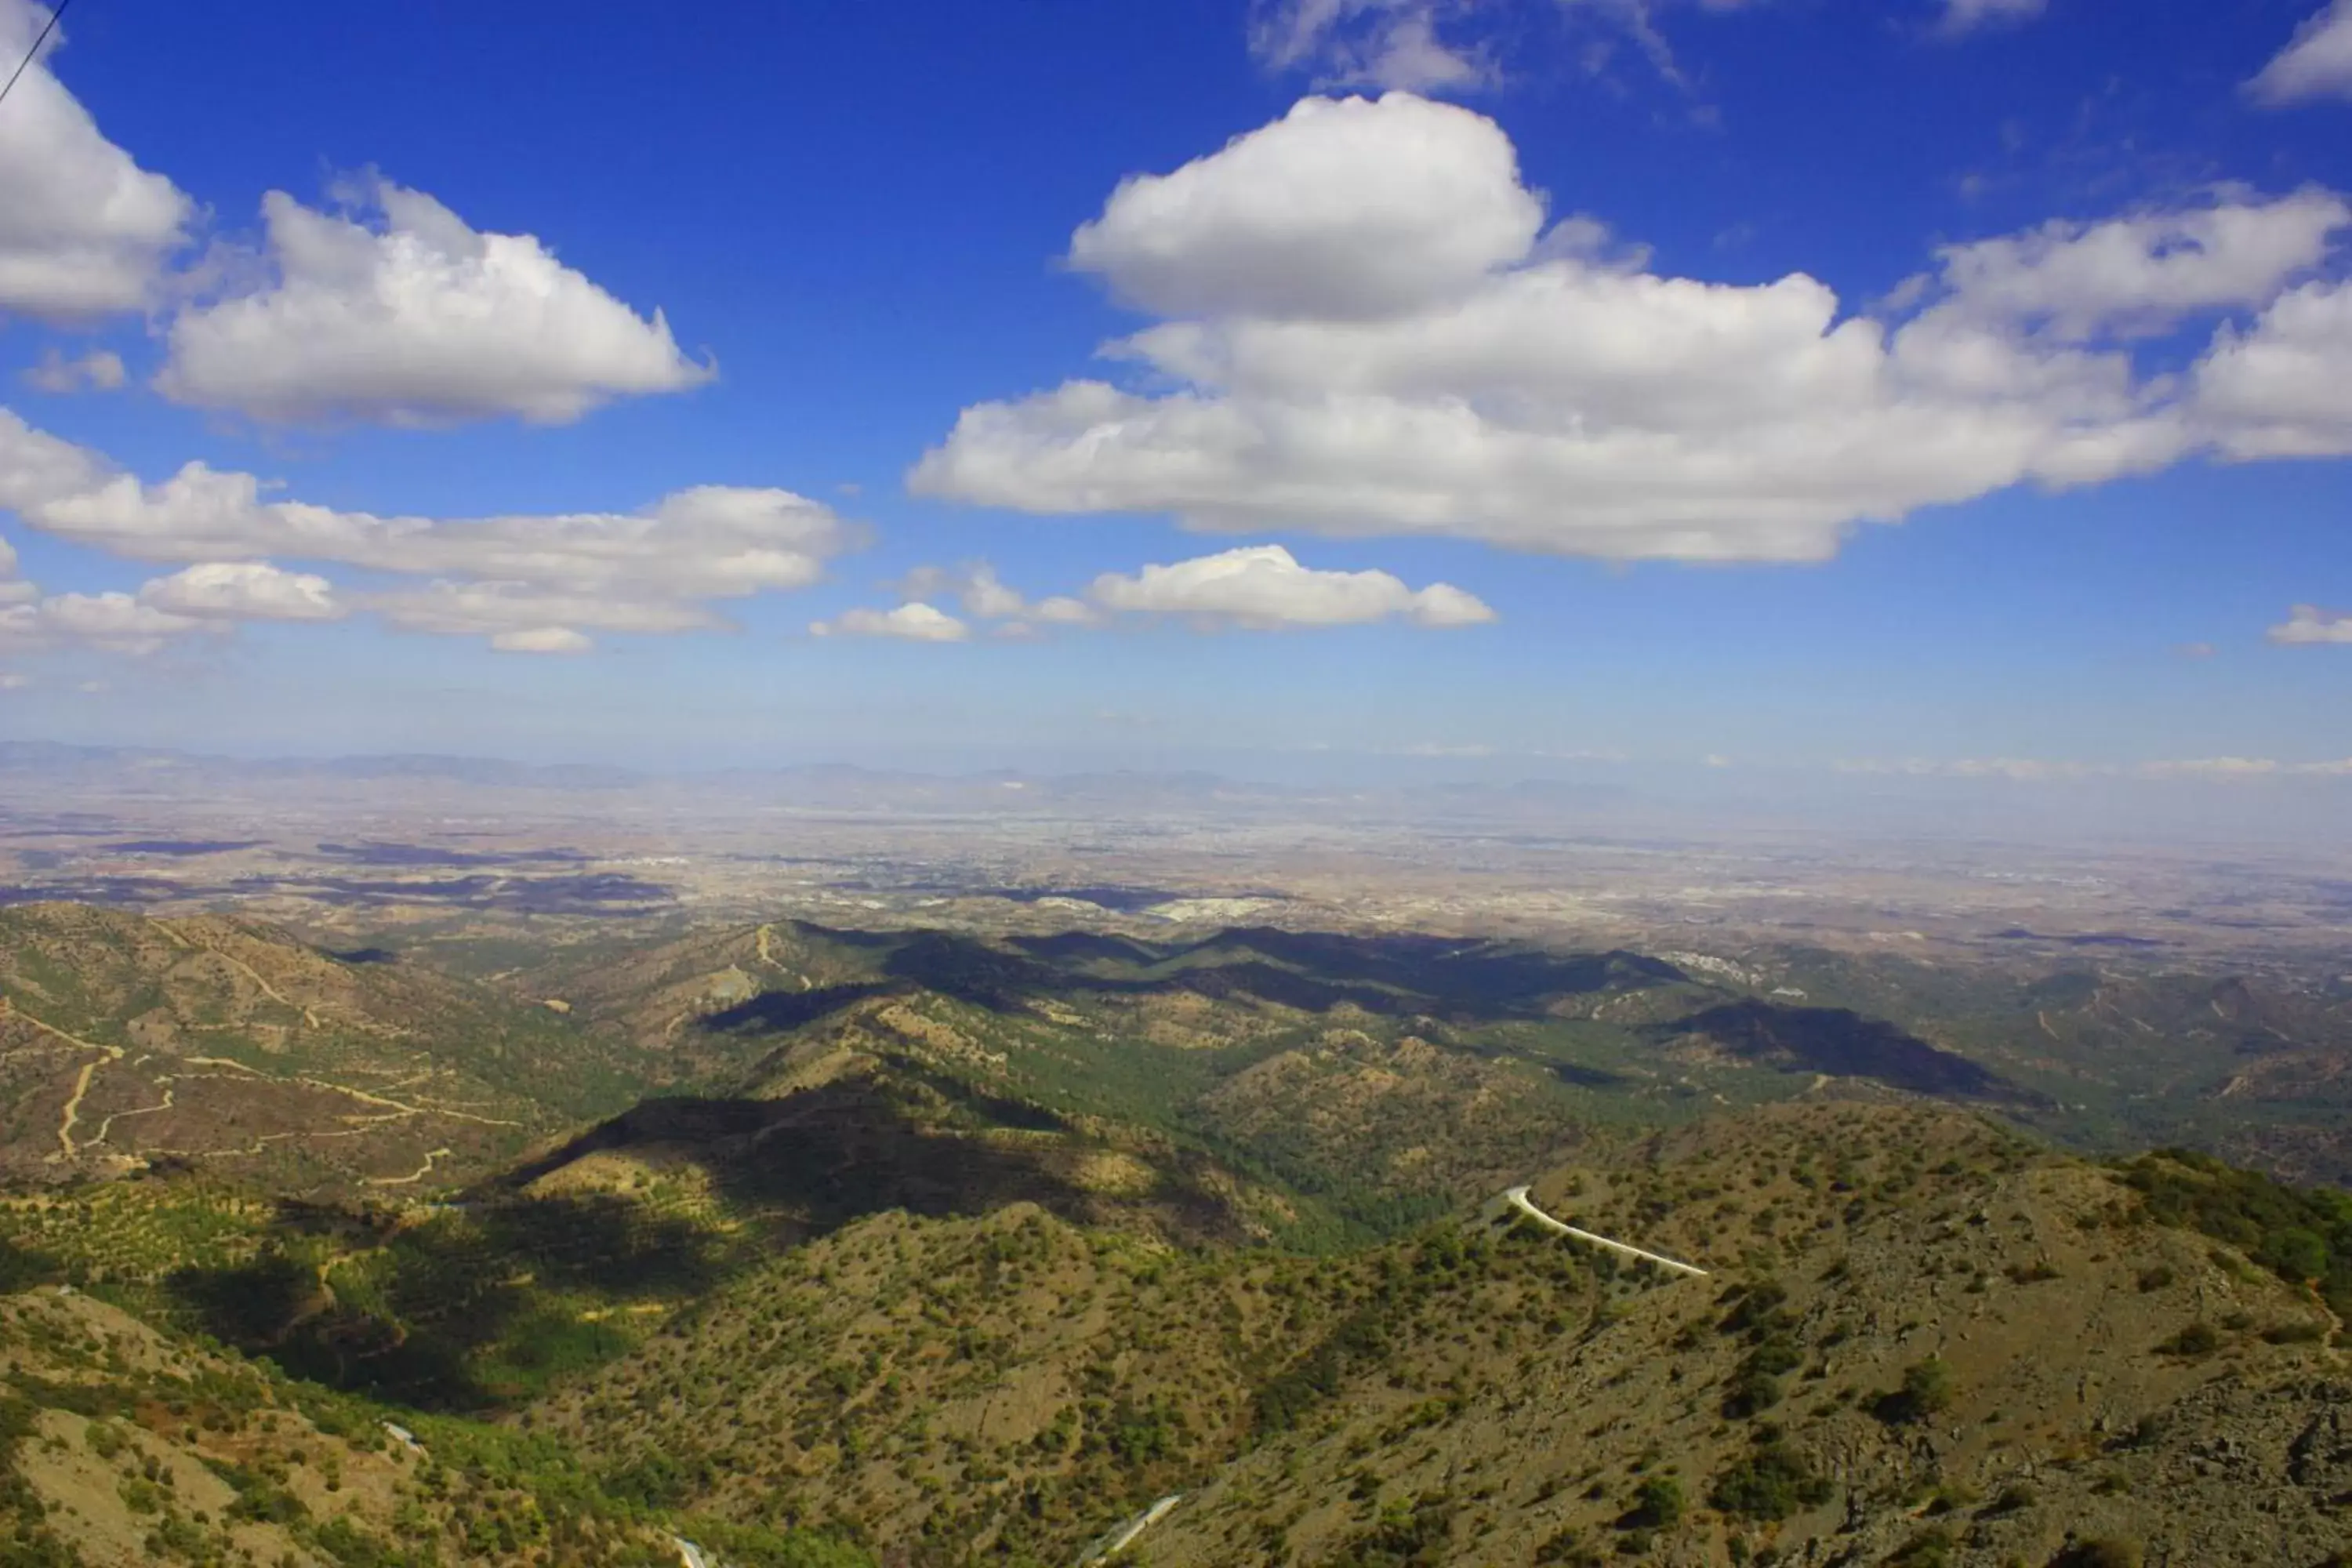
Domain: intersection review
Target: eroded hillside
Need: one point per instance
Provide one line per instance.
(127, 1042)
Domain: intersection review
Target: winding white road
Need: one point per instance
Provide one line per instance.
(1119, 1539)
(1518, 1198)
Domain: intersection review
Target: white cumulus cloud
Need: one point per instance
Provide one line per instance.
(2316, 63)
(2278, 388)
(1264, 588)
(913, 622)
(2309, 625)
(243, 591)
(113, 621)
(212, 597)
(84, 231)
(2140, 275)
(1363, 334)
(1258, 587)
(1345, 207)
(654, 571)
(396, 311)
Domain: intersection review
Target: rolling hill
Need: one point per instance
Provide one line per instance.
(823, 1247)
(127, 1042)
(1920, 1335)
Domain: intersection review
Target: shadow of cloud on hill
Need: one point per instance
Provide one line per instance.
(471, 1309)
(973, 971)
(21, 1267)
(1306, 972)
(1846, 1045)
(1579, 1076)
(1444, 973)
(1086, 947)
(824, 1157)
(592, 893)
(782, 1010)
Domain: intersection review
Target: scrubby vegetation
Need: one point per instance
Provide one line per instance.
(2302, 1235)
(947, 1251)
(218, 1459)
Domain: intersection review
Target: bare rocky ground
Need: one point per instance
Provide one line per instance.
(128, 1042)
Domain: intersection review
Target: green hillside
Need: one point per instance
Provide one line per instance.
(821, 1246)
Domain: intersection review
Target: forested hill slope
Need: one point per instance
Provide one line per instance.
(1918, 1336)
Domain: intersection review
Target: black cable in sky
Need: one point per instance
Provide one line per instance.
(35, 52)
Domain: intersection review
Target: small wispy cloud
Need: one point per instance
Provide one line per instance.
(1968, 15)
(100, 369)
(913, 622)
(1383, 44)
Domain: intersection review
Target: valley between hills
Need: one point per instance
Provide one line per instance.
(782, 1242)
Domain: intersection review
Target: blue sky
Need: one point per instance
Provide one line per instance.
(1960, 386)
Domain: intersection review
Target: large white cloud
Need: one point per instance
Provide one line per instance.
(1264, 588)
(397, 310)
(2140, 275)
(2316, 63)
(1329, 368)
(1345, 207)
(84, 231)
(2282, 387)
(654, 571)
